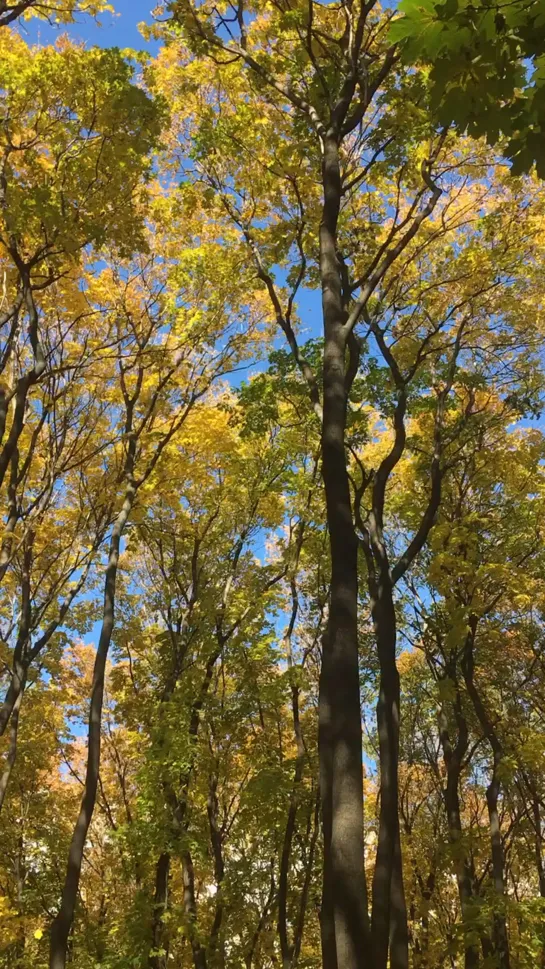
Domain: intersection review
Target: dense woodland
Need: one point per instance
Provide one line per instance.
(272, 488)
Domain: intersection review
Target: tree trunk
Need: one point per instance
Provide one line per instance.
(216, 941)
(388, 877)
(303, 901)
(62, 924)
(159, 952)
(178, 806)
(538, 846)
(345, 941)
(262, 921)
(12, 749)
(538, 842)
(424, 943)
(500, 935)
(453, 757)
(17, 684)
(13, 514)
(20, 878)
(287, 946)
(399, 929)
(190, 906)
(501, 940)
(11, 707)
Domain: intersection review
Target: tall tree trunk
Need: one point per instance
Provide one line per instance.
(501, 939)
(12, 749)
(27, 381)
(538, 846)
(13, 515)
(500, 934)
(427, 893)
(312, 830)
(13, 692)
(62, 924)
(388, 923)
(287, 946)
(261, 923)
(178, 807)
(190, 906)
(20, 878)
(216, 941)
(159, 952)
(453, 756)
(19, 673)
(399, 928)
(344, 918)
(538, 840)
(11, 707)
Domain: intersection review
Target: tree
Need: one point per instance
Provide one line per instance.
(275, 209)
(335, 111)
(479, 610)
(57, 11)
(270, 641)
(486, 63)
(65, 145)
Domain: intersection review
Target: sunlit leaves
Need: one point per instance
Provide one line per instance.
(486, 70)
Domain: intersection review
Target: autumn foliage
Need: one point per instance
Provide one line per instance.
(272, 487)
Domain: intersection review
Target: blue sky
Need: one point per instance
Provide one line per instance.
(117, 30)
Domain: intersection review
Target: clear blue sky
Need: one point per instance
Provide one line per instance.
(117, 30)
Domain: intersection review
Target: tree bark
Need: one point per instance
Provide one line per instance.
(216, 942)
(20, 653)
(12, 749)
(62, 923)
(178, 806)
(13, 515)
(190, 906)
(500, 934)
(399, 930)
(286, 945)
(303, 901)
(256, 934)
(388, 876)
(159, 952)
(538, 837)
(501, 938)
(538, 846)
(453, 757)
(344, 918)
(289, 948)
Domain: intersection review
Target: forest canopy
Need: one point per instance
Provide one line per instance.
(272, 486)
